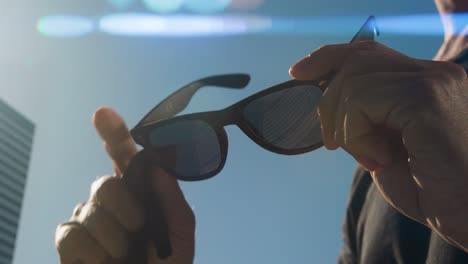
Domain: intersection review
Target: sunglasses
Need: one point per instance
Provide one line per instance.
(282, 119)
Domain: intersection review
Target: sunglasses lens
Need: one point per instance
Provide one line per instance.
(189, 148)
(287, 119)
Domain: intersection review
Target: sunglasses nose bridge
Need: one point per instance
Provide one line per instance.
(228, 116)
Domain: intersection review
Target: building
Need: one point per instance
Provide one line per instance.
(16, 137)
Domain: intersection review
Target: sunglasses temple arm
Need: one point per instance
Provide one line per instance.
(137, 177)
(178, 101)
(368, 31)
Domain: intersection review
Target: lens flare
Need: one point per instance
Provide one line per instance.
(421, 24)
(179, 26)
(206, 6)
(163, 6)
(64, 26)
(412, 24)
(320, 25)
(121, 4)
(144, 24)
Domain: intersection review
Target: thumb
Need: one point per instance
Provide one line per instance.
(117, 140)
(121, 148)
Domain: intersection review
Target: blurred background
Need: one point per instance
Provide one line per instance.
(60, 60)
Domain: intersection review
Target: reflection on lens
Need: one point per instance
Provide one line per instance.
(287, 119)
(190, 148)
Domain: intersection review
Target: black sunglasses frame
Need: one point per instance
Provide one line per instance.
(162, 114)
(231, 115)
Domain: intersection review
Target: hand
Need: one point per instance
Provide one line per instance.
(98, 230)
(403, 119)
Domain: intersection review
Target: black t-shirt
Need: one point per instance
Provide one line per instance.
(374, 232)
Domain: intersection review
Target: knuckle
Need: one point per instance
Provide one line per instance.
(66, 233)
(77, 209)
(104, 187)
(73, 244)
(89, 213)
(453, 69)
(323, 112)
(431, 94)
(445, 73)
(104, 228)
(112, 196)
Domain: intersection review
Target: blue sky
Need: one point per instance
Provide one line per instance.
(263, 207)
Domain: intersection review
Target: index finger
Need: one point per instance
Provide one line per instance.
(330, 59)
(322, 62)
(117, 139)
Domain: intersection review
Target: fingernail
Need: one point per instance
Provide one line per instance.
(291, 71)
(368, 163)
